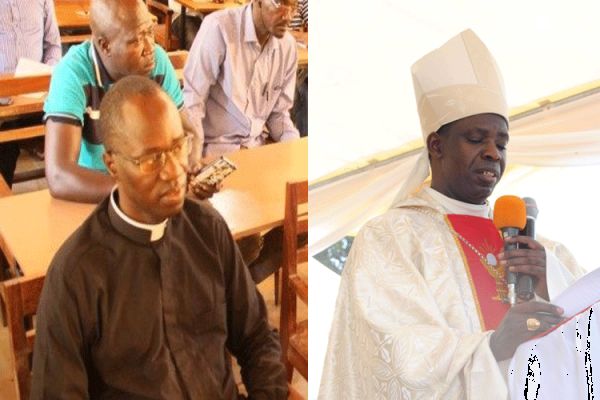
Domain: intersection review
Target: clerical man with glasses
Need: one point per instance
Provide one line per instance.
(150, 296)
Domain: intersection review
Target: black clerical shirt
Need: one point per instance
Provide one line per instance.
(124, 316)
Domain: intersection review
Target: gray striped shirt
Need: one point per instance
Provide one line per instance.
(300, 19)
(28, 28)
(233, 88)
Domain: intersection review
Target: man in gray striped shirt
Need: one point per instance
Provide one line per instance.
(300, 20)
(28, 29)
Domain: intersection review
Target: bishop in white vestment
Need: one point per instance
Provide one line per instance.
(421, 293)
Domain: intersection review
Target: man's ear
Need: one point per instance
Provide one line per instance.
(434, 145)
(109, 161)
(103, 45)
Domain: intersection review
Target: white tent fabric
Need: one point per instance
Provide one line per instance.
(568, 149)
(558, 143)
(342, 206)
(362, 98)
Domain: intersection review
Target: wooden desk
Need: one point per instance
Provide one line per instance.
(253, 197)
(206, 7)
(22, 105)
(302, 57)
(72, 14)
(203, 7)
(34, 225)
(302, 46)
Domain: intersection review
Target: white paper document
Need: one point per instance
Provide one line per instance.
(560, 363)
(27, 67)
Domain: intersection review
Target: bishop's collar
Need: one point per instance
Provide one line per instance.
(453, 206)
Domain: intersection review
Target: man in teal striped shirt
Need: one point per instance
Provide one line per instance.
(122, 44)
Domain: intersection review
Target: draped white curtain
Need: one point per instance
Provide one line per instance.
(549, 167)
(556, 150)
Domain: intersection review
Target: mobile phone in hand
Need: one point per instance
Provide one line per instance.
(214, 172)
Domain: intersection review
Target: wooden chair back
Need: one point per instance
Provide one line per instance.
(162, 32)
(75, 38)
(14, 86)
(293, 394)
(21, 297)
(11, 86)
(293, 333)
(178, 58)
(4, 189)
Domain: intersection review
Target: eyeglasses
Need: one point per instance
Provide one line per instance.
(291, 5)
(153, 162)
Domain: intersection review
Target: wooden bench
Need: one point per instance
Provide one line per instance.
(18, 86)
(23, 106)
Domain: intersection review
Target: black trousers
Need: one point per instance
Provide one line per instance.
(9, 152)
(299, 112)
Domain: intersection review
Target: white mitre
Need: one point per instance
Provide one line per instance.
(458, 80)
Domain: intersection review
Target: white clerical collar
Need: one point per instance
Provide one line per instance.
(156, 230)
(452, 206)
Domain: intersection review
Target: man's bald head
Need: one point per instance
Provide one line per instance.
(123, 36)
(123, 101)
(107, 16)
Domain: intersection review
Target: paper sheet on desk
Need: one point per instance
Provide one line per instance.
(27, 67)
(580, 295)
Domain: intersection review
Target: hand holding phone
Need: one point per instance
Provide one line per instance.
(213, 173)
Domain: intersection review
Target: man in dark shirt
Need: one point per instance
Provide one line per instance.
(150, 296)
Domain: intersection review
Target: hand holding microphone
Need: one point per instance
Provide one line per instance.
(525, 289)
(510, 218)
(523, 255)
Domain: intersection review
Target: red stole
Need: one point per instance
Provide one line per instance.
(488, 283)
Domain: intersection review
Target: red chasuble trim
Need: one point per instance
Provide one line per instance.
(488, 282)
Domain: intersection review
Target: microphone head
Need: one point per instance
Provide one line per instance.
(509, 212)
(531, 207)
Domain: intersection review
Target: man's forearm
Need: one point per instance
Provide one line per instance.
(282, 128)
(263, 372)
(79, 184)
(192, 124)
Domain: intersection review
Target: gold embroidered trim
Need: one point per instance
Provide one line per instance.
(466, 265)
(496, 272)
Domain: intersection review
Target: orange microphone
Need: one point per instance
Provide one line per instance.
(510, 216)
